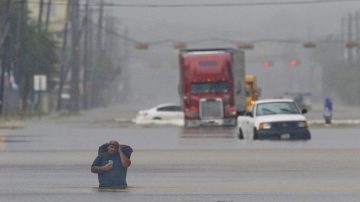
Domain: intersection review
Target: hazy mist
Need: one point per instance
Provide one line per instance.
(153, 74)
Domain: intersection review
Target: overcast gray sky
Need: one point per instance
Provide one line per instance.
(238, 22)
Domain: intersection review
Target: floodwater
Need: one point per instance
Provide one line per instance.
(50, 160)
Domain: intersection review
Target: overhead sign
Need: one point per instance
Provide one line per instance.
(40, 83)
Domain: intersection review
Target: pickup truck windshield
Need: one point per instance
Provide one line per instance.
(209, 87)
(277, 108)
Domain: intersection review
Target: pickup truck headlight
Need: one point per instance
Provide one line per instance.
(265, 126)
(302, 124)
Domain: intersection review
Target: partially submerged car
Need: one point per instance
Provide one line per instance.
(160, 114)
(274, 119)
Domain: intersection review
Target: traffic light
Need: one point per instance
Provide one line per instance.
(245, 45)
(294, 62)
(309, 45)
(267, 63)
(179, 45)
(142, 46)
(352, 44)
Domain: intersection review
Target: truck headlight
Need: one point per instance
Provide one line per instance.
(265, 126)
(302, 124)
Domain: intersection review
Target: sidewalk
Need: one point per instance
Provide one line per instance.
(342, 116)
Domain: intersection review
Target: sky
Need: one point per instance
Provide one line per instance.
(239, 23)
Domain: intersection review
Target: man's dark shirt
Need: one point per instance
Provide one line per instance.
(115, 177)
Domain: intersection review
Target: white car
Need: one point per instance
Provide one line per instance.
(166, 112)
(274, 119)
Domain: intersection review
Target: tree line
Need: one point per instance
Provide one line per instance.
(27, 50)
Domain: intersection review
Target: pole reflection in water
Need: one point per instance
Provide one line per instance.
(207, 132)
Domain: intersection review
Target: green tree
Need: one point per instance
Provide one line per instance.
(38, 57)
(36, 53)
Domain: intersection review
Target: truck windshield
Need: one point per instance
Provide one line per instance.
(209, 87)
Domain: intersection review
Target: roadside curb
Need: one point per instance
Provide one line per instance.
(344, 122)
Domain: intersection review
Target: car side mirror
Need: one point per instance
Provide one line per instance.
(304, 111)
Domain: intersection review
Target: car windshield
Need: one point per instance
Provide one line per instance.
(170, 108)
(207, 87)
(271, 108)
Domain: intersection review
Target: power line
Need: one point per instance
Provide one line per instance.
(114, 33)
(194, 5)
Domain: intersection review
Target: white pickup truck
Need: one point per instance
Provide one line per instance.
(274, 119)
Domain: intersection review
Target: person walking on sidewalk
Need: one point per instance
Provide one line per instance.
(111, 165)
(328, 110)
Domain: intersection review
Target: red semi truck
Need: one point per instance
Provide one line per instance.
(212, 86)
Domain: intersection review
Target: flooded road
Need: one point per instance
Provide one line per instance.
(50, 160)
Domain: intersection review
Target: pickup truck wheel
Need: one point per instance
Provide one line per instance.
(255, 134)
(241, 134)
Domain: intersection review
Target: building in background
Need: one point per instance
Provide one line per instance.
(56, 12)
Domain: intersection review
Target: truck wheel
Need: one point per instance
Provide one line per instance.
(255, 134)
(241, 134)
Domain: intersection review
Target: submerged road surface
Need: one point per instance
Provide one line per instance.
(49, 160)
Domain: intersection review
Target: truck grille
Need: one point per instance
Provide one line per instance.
(211, 108)
(285, 125)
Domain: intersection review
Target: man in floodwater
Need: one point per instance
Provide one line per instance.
(111, 166)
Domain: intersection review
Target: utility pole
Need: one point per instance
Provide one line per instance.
(41, 6)
(63, 57)
(91, 61)
(99, 50)
(5, 55)
(343, 37)
(87, 63)
(75, 64)
(19, 37)
(350, 38)
(357, 33)
(48, 12)
(124, 71)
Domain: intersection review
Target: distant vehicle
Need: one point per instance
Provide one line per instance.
(167, 111)
(212, 86)
(277, 119)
